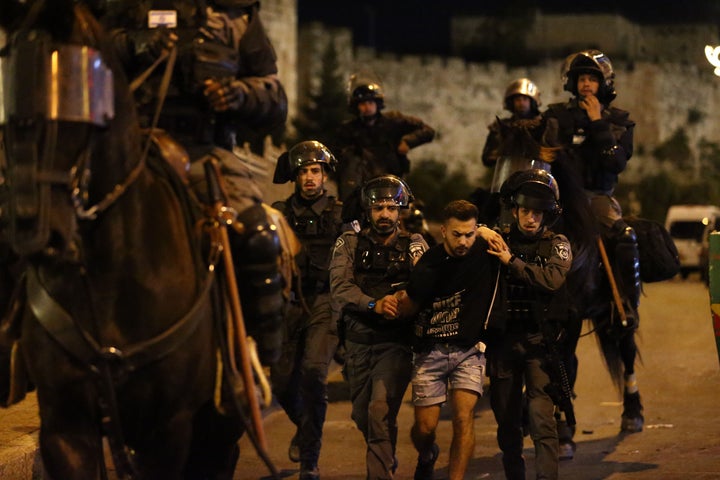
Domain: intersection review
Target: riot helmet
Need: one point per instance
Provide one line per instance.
(365, 86)
(386, 187)
(300, 155)
(523, 86)
(594, 62)
(413, 218)
(533, 188)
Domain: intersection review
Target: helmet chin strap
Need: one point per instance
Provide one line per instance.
(369, 119)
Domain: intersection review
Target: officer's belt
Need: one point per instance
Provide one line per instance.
(376, 337)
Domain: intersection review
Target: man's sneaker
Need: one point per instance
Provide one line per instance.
(425, 469)
(309, 472)
(294, 449)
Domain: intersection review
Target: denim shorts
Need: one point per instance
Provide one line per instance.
(446, 367)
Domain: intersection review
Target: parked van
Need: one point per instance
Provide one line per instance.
(690, 227)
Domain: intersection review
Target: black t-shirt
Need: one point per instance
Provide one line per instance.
(454, 294)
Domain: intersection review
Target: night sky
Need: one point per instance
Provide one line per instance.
(422, 26)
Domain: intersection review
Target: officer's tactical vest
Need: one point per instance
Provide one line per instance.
(381, 269)
(524, 303)
(317, 233)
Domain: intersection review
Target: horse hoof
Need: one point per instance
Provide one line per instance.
(632, 418)
(632, 424)
(294, 449)
(566, 451)
(309, 472)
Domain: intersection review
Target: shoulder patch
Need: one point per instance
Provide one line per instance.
(338, 244)
(416, 249)
(562, 250)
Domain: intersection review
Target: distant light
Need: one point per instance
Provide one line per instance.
(712, 54)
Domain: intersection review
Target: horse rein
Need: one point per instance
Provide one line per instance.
(79, 186)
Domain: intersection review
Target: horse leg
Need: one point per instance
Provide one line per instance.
(75, 454)
(566, 432)
(161, 448)
(214, 450)
(632, 418)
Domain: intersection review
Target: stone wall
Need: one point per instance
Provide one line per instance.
(459, 99)
(558, 34)
(280, 20)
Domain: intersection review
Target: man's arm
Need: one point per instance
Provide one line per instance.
(490, 152)
(254, 94)
(549, 277)
(345, 292)
(414, 131)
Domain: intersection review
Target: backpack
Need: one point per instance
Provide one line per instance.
(659, 259)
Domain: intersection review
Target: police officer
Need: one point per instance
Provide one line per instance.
(224, 81)
(514, 143)
(374, 143)
(597, 141)
(365, 269)
(522, 100)
(531, 315)
(300, 376)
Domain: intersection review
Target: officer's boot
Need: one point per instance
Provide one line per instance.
(255, 254)
(627, 262)
(565, 438)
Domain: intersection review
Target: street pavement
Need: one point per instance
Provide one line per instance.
(679, 380)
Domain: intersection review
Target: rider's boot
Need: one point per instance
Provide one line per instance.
(632, 418)
(255, 254)
(627, 262)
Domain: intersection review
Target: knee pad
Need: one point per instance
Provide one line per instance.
(627, 262)
(260, 282)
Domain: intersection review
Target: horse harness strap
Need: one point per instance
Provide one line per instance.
(78, 342)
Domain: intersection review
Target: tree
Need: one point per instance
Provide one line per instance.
(431, 182)
(324, 110)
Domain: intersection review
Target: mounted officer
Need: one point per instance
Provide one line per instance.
(374, 143)
(514, 143)
(223, 85)
(596, 141)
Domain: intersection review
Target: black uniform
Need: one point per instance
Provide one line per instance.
(454, 295)
(300, 377)
(368, 150)
(228, 45)
(598, 151)
(378, 361)
(533, 303)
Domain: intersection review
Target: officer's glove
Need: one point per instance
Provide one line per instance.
(548, 154)
(225, 94)
(163, 40)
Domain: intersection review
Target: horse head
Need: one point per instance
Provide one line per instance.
(59, 99)
(517, 137)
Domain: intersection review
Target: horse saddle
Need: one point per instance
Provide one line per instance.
(171, 151)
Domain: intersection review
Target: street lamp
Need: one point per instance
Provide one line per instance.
(712, 54)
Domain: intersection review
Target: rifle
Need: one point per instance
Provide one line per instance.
(559, 388)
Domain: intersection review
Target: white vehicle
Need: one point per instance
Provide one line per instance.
(690, 227)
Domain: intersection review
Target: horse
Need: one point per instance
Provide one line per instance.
(594, 290)
(120, 333)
